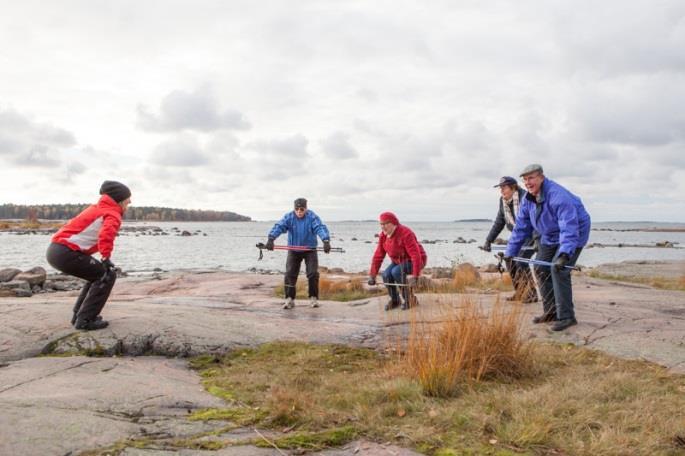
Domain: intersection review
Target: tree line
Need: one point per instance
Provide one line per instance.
(146, 213)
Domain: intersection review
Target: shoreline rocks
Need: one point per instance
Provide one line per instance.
(15, 283)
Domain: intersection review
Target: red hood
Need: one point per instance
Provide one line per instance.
(107, 201)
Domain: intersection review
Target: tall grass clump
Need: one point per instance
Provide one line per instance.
(466, 344)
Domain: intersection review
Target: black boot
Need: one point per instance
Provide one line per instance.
(390, 305)
(545, 318)
(91, 325)
(74, 317)
(563, 324)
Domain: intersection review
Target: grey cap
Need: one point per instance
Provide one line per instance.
(534, 168)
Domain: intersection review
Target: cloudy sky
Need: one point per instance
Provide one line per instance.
(360, 106)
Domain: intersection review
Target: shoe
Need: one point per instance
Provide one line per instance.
(563, 324)
(314, 302)
(544, 318)
(74, 318)
(91, 325)
(390, 305)
(289, 303)
(404, 305)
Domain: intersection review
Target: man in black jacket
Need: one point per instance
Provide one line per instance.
(521, 276)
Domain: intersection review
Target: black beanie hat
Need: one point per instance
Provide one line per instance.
(116, 190)
(300, 202)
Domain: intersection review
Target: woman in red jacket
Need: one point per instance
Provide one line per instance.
(406, 254)
(93, 230)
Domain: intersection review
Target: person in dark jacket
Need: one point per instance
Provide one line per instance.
(509, 202)
(92, 231)
(302, 226)
(407, 258)
(564, 227)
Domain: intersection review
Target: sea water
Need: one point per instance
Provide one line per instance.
(231, 245)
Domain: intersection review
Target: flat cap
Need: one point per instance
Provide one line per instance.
(534, 168)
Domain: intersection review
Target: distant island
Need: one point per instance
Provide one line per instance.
(141, 213)
(473, 220)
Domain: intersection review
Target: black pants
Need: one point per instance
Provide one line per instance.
(555, 286)
(292, 269)
(100, 281)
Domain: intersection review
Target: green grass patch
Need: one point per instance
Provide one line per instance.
(242, 416)
(314, 440)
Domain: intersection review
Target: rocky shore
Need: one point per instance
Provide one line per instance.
(64, 391)
(126, 230)
(24, 284)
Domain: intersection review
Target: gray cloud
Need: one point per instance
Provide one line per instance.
(184, 150)
(37, 157)
(337, 146)
(290, 147)
(75, 168)
(27, 143)
(647, 37)
(646, 112)
(198, 110)
(14, 124)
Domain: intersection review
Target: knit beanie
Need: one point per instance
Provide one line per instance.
(389, 217)
(300, 202)
(115, 190)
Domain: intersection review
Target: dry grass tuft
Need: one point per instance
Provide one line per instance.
(466, 344)
(465, 277)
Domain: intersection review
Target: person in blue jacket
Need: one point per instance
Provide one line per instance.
(563, 224)
(302, 226)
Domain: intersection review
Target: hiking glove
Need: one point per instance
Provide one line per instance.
(486, 246)
(326, 246)
(107, 263)
(562, 261)
(372, 281)
(412, 281)
(270, 244)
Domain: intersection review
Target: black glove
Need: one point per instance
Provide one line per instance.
(561, 262)
(109, 266)
(326, 246)
(270, 244)
(486, 246)
(372, 280)
(509, 261)
(412, 281)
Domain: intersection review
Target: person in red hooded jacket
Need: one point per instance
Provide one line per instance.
(407, 258)
(92, 231)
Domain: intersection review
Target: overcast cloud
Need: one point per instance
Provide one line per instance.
(360, 106)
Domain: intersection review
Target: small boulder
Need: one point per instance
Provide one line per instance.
(8, 274)
(441, 273)
(186, 233)
(491, 267)
(667, 244)
(22, 293)
(34, 276)
(16, 285)
(424, 283)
